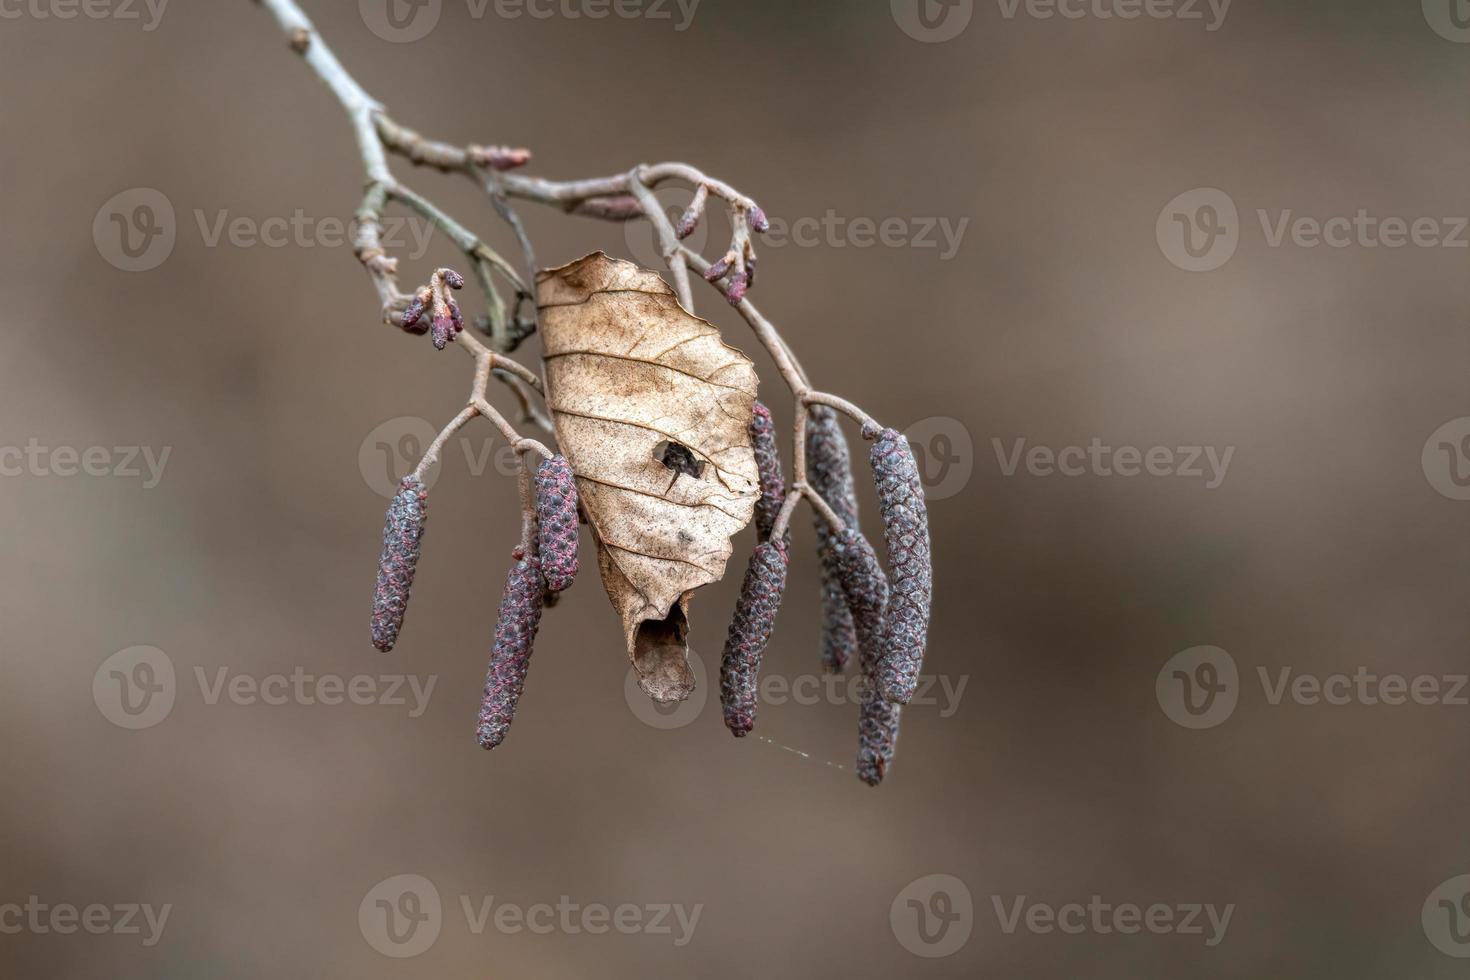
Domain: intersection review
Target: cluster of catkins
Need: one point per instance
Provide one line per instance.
(546, 563)
(884, 625)
(442, 310)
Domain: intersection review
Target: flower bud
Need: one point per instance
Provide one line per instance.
(556, 517)
(402, 533)
(750, 630)
(758, 220)
(515, 631)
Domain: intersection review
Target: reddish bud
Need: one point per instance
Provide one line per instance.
(444, 330)
(717, 271)
(402, 533)
(411, 318)
(454, 279)
(758, 220)
(739, 286)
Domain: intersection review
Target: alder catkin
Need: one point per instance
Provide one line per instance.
(829, 471)
(866, 591)
(556, 516)
(755, 613)
(906, 532)
(768, 463)
(520, 615)
(403, 531)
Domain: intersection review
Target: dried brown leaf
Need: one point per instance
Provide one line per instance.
(653, 411)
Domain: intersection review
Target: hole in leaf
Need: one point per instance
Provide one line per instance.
(678, 458)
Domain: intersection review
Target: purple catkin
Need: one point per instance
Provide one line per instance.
(445, 329)
(520, 615)
(411, 319)
(402, 533)
(750, 630)
(829, 471)
(866, 590)
(906, 532)
(556, 516)
(768, 463)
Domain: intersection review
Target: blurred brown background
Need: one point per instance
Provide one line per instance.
(1059, 318)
